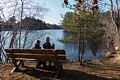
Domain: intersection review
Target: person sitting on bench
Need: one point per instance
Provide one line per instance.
(47, 45)
(37, 46)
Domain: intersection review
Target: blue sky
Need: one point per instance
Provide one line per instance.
(55, 10)
(53, 15)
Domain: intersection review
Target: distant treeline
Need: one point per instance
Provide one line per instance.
(28, 24)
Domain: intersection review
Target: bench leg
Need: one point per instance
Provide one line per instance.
(16, 65)
(22, 63)
(59, 68)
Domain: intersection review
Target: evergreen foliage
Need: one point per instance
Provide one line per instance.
(84, 27)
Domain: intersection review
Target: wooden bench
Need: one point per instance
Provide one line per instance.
(18, 57)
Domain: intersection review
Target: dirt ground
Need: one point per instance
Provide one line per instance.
(91, 70)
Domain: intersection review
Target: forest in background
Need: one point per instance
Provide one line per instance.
(28, 23)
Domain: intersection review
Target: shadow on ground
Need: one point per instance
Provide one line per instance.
(42, 74)
(78, 75)
(102, 67)
(66, 74)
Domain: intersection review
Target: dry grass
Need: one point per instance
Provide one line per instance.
(91, 70)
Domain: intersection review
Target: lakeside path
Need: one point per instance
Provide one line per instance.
(91, 70)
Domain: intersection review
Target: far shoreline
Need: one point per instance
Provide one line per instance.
(36, 29)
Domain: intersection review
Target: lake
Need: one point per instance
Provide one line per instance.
(55, 35)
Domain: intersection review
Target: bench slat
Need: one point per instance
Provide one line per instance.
(36, 51)
(32, 51)
(38, 56)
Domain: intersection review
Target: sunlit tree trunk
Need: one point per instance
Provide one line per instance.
(0, 41)
(118, 21)
(15, 28)
(22, 5)
(115, 20)
(25, 37)
(14, 34)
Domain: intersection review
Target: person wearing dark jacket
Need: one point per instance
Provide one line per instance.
(48, 45)
(37, 46)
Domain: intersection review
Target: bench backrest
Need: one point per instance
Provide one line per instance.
(37, 54)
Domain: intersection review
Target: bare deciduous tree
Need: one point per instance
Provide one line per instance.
(19, 9)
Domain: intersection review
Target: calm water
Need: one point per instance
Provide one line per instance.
(55, 35)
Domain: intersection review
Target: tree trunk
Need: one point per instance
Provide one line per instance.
(113, 18)
(79, 50)
(12, 39)
(25, 38)
(117, 21)
(22, 5)
(0, 43)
